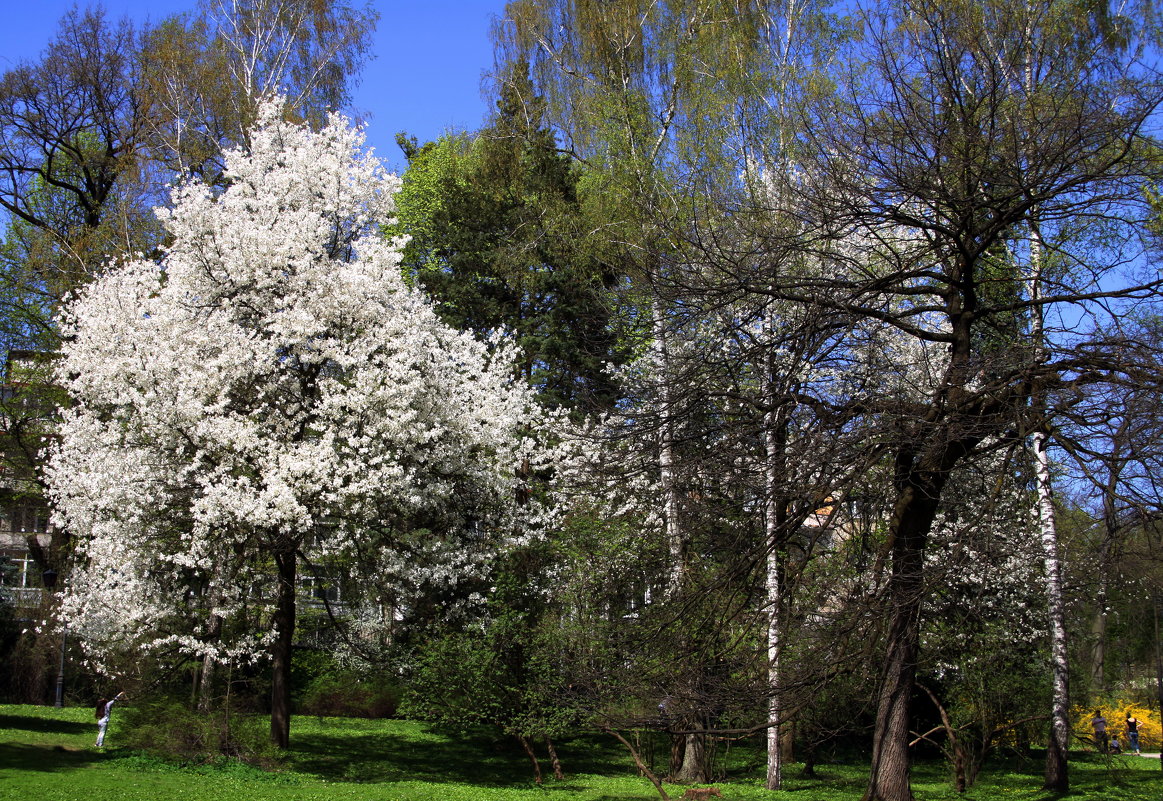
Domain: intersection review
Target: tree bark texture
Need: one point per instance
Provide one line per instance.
(206, 684)
(774, 701)
(554, 760)
(774, 513)
(284, 620)
(529, 752)
(1057, 776)
(912, 519)
(694, 762)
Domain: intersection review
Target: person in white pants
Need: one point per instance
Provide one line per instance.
(103, 721)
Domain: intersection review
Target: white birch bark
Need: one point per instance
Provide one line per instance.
(1059, 660)
(774, 447)
(1060, 711)
(774, 456)
(1057, 753)
(774, 643)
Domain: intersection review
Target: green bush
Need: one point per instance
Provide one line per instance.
(169, 728)
(350, 695)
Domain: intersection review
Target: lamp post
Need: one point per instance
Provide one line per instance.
(49, 577)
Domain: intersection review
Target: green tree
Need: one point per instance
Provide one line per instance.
(502, 668)
(672, 108)
(73, 128)
(499, 240)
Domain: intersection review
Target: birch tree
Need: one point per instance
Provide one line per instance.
(206, 72)
(666, 104)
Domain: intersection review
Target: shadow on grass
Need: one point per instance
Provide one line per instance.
(482, 758)
(46, 758)
(44, 725)
(386, 757)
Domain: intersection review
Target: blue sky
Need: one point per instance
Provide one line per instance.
(425, 77)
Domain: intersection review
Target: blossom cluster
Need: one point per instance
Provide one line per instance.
(270, 382)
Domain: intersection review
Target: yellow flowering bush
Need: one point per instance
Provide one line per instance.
(1115, 710)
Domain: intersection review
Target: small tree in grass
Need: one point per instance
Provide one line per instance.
(270, 389)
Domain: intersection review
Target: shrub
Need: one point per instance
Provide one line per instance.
(169, 728)
(350, 695)
(1115, 711)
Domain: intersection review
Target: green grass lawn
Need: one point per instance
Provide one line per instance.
(47, 755)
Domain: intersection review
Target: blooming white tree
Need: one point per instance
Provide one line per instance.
(270, 386)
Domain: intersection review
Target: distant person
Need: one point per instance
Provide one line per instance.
(103, 711)
(1133, 733)
(1098, 723)
(1115, 747)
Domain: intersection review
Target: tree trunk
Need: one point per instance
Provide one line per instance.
(774, 701)
(206, 684)
(912, 519)
(1057, 776)
(528, 746)
(284, 621)
(677, 751)
(955, 748)
(694, 768)
(642, 769)
(553, 760)
(889, 776)
(787, 741)
(775, 521)
(1098, 629)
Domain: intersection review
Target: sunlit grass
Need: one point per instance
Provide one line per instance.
(47, 754)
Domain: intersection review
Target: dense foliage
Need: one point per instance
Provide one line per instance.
(775, 371)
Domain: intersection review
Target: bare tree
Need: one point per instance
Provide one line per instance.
(928, 164)
(207, 72)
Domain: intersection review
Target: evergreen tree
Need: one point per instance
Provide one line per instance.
(499, 240)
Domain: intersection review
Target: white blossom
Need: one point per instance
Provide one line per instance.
(271, 376)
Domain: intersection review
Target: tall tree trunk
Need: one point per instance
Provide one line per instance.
(1057, 776)
(774, 523)
(775, 699)
(529, 752)
(694, 767)
(1098, 629)
(554, 760)
(206, 684)
(677, 752)
(284, 621)
(912, 519)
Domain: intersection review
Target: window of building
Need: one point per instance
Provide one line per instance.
(29, 519)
